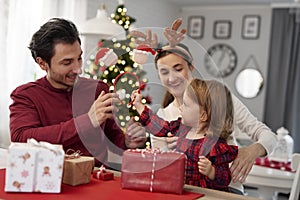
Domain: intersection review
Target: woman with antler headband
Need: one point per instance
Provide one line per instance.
(174, 63)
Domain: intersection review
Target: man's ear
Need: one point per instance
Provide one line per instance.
(43, 64)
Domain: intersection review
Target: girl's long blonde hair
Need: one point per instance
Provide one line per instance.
(215, 99)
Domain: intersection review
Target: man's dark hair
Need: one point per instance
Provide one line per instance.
(56, 30)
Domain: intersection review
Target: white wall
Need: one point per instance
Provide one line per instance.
(154, 13)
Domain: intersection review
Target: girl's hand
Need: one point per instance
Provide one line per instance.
(171, 141)
(136, 98)
(205, 167)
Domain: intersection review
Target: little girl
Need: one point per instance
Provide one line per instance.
(205, 124)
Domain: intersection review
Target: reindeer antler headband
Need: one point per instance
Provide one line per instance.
(148, 42)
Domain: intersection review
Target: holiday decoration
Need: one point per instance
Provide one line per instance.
(103, 174)
(153, 171)
(140, 54)
(77, 168)
(114, 57)
(107, 56)
(34, 167)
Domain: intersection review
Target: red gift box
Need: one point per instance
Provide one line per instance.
(154, 171)
(103, 175)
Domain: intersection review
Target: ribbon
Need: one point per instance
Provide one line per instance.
(74, 154)
(153, 170)
(100, 170)
(154, 152)
(54, 148)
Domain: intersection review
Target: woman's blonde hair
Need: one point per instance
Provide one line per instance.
(215, 99)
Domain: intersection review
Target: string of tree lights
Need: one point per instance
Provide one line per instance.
(124, 50)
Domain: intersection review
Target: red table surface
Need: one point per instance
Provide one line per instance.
(96, 189)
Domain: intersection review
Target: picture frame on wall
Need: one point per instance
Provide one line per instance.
(222, 29)
(196, 27)
(251, 27)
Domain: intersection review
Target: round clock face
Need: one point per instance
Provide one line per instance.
(220, 60)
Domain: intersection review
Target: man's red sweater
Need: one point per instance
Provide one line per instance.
(57, 116)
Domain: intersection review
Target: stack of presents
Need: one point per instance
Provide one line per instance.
(44, 167)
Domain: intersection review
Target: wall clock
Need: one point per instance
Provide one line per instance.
(220, 60)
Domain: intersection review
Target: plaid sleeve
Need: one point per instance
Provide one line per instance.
(221, 155)
(156, 125)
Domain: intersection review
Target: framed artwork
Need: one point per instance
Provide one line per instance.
(222, 29)
(251, 27)
(196, 27)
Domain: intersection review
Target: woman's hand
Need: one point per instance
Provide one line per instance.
(205, 167)
(242, 165)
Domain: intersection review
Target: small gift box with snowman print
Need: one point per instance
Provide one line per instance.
(34, 167)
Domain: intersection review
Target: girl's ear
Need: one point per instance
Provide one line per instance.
(43, 64)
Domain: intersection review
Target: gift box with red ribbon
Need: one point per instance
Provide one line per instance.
(153, 171)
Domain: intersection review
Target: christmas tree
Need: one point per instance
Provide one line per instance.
(123, 49)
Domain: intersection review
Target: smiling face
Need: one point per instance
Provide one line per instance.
(173, 72)
(65, 65)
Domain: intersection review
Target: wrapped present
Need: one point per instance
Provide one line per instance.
(77, 169)
(34, 167)
(102, 174)
(154, 171)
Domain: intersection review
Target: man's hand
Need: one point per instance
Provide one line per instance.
(135, 135)
(103, 108)
(242, 165)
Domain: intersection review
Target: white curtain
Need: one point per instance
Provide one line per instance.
(19, 20)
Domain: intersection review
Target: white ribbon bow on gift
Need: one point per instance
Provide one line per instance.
(54, 148)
